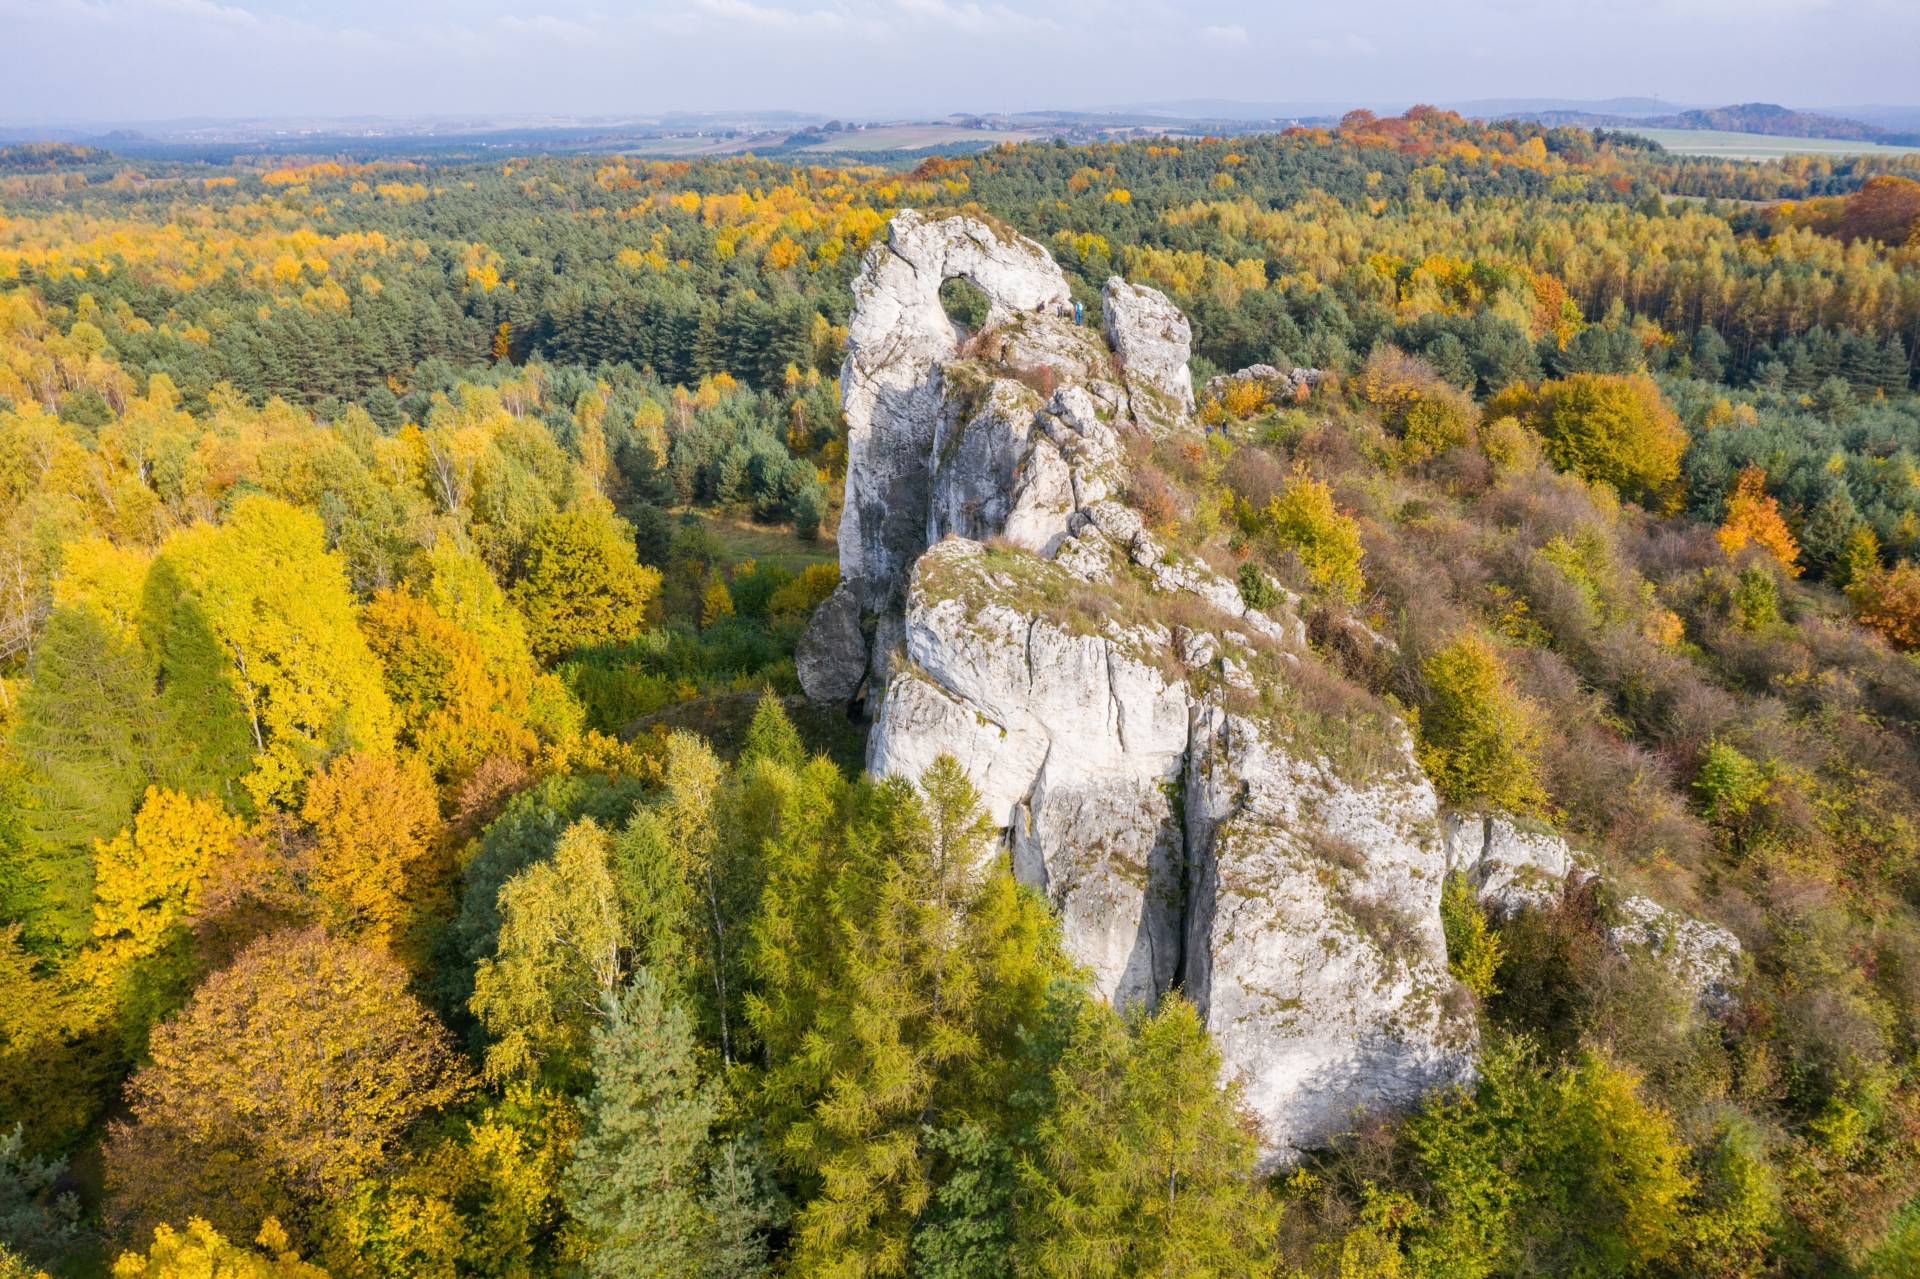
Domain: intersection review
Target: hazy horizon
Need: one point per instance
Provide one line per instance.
(169, 60)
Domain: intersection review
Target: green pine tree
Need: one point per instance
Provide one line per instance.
(88, 735)
(634, 1183)
(772, 737)
(898, 970)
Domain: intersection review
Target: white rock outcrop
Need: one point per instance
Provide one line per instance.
(1152, 341)
(1314, 942)
(891, 386)
(1076, 743)
(1131, 722)
(1513, 868)
(1509, 868)
(1703, 957)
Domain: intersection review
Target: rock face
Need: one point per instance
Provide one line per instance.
(892, 386)
(1508, 868)
(1314, 939)
(1076, 742)
(1703, 957)
(1138, 732)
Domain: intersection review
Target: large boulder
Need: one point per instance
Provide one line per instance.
(1510, 867)
(1152, 341)
(1702, 957)
(831, 658)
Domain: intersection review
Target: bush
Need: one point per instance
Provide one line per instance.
(1478, 737)
(1889, 602)
(1304, 520)
(1473, 949)
(1544, 1171)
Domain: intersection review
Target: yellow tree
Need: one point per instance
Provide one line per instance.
(147, 881)
(379, 861)
(1479, 738)
(285, 1082)
(201, 1252)
(1608, 427)
(278, 603)
(582, 583)
(1303, 520)
(454, 708)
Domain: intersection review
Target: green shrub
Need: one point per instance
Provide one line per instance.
(1756, 599)
(1479, 739)
(1473, 949)
(1255, 590)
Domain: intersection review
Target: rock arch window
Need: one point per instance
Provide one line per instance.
(965, 303)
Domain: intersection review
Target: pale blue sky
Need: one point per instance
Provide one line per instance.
(95, 60)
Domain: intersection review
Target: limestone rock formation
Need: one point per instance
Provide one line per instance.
(1152, 341)
(831, 658)
(1512, 868)
(1139, 733)
(1074, 738)
(1314, 943)
(892, 386)
(1508, 867)
(1704, 958)
(1276, 386)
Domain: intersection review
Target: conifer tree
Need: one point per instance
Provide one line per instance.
(771, 736)
(898, 972)
(89, 734)
(1144, 1166)
(635, 1180)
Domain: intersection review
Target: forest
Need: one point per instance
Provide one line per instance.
(416, 858)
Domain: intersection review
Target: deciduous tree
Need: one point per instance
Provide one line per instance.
(381, 868)
(288, 1078)
(580, 583)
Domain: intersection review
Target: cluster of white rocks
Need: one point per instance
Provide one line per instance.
(1110, 696)
(1278, 386)
(1513, 868)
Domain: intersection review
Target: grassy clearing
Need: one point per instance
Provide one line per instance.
(772, 544)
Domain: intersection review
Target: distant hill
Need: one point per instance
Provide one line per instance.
(1479, 108)
(1774, 120)
(1507, 108)
(1767, 118)
(1893, 118)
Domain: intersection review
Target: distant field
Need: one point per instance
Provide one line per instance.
(907, 137)
(1760, 146)
(691, 146)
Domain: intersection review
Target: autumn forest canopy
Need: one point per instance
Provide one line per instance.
(417, 859)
